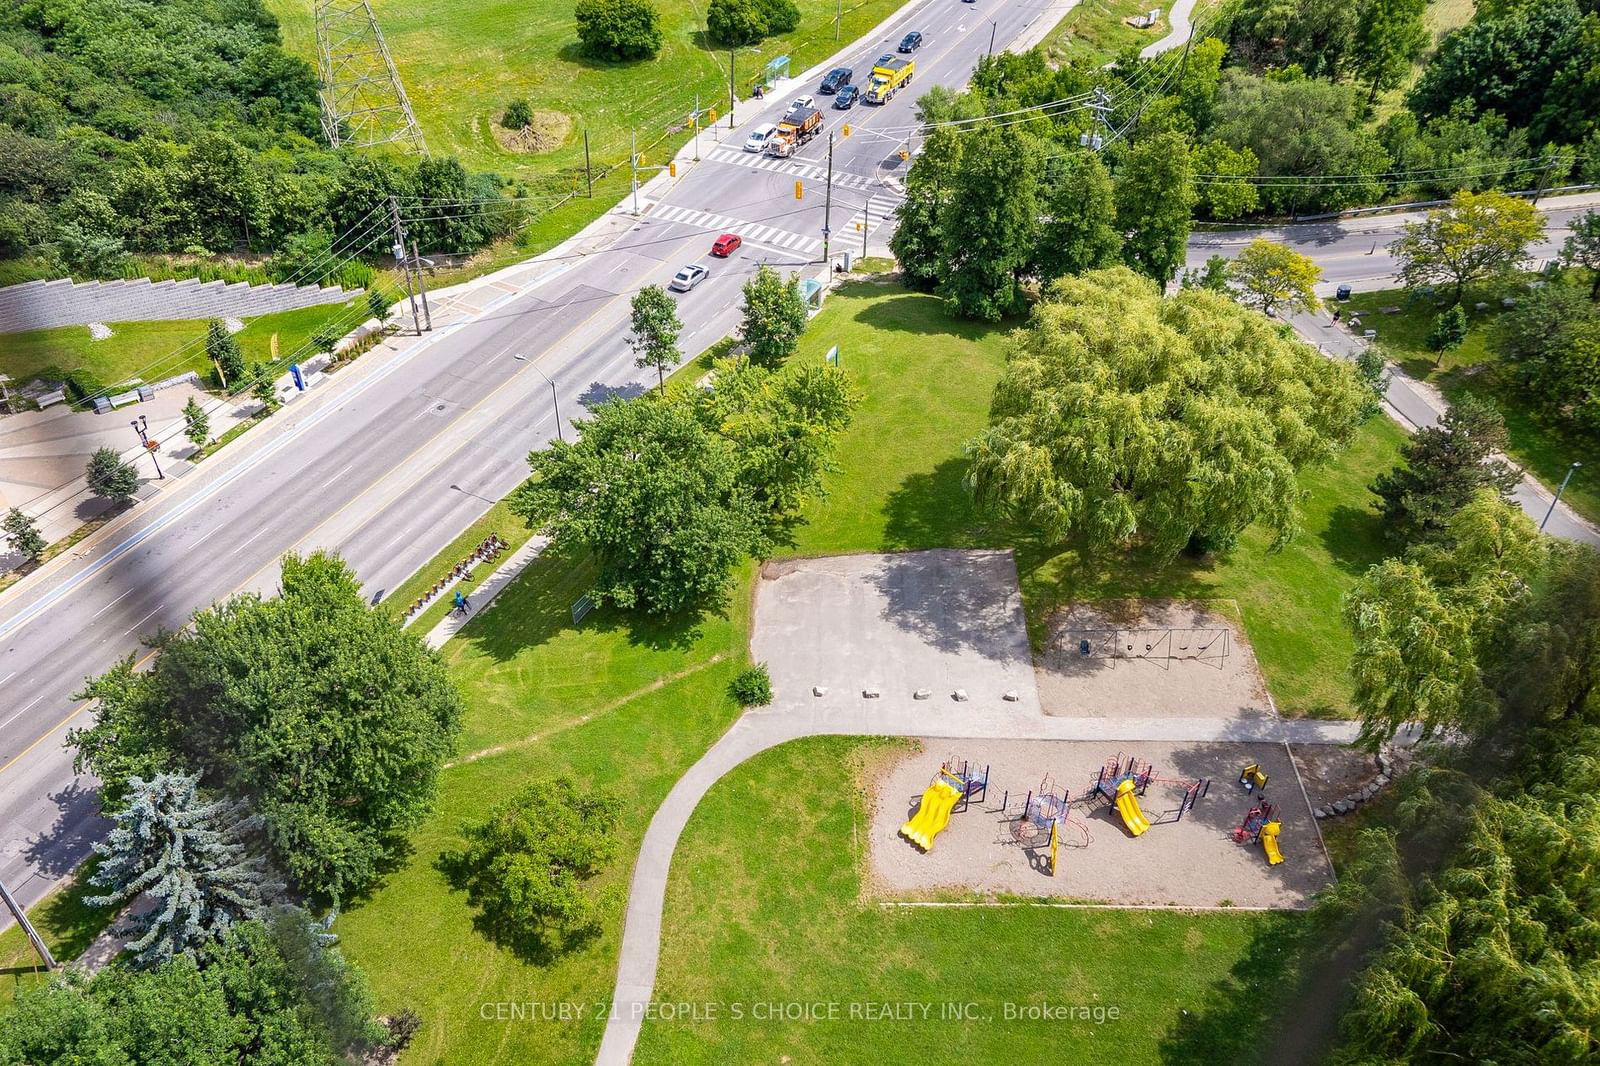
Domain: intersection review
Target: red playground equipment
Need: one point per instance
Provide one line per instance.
(1259, 814)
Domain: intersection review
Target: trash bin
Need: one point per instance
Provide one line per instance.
(1342, 292)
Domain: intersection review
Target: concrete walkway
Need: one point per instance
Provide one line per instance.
(1415, 405)
(485, 593)
(1178, 21)
(757, 731)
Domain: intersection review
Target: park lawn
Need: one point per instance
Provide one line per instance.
(1544, 448)
(1094, 33)
(766, 906)
(151, 351)
(462, 63)
(65, 923)
(929, 377)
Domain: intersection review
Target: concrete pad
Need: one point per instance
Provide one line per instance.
(1194, 862)
(943, 620)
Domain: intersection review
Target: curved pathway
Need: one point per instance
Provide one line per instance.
(757, 731)
(1178, 20)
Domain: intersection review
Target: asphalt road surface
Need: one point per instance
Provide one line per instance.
(390, 466)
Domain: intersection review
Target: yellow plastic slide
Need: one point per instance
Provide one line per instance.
(1128, 807)
(933, 814)
(1269, 842)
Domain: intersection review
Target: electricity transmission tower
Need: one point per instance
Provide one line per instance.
(363, 102)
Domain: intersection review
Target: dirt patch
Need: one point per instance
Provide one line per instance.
(1189, 862)
(1149, 658)
(547, 132)
(1331, 773)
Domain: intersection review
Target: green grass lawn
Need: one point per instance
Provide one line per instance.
(1095, 34)
(151, 351)
(765, 906)
(462, 63)
(929, 378)
(65, 924)
(1544, 448)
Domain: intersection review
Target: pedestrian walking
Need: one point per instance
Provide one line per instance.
(460, 603)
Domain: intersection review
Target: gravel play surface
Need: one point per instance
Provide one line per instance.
(1190, 863)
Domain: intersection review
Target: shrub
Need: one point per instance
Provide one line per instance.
(518, 116)
(618, 29)
(1449, 329)
(753, 686)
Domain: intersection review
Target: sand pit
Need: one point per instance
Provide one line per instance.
(1149, 660)
(1189, 863)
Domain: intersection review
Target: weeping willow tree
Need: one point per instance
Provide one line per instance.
(1125, 416)
(191, 856)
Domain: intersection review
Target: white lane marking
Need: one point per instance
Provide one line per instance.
(253, 536)
(338, 475)
(112, 604)
(9, 676)
(14, 717)
(142, 621)
(206, 535)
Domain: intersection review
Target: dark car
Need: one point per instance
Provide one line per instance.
(836, 79)
(846, 98)
(911, 42)
(884, 59)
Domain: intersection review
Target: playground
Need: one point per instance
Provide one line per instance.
(1151, 658)
(923, 840)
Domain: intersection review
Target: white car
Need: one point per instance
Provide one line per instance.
(757, 141)
(802, 102)
(688, 277)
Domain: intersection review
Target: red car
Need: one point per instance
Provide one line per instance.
(726, 245)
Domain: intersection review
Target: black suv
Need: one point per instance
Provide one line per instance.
(911, 42)
(835, 79)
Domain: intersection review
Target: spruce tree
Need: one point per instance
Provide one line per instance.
(189, 854)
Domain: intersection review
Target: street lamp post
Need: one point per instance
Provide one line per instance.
(1559, 491)
(554, 399)
(141, 426)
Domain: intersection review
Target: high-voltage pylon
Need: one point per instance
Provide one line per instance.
(363, 102)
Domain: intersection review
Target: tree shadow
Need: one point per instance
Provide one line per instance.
(599, 392)
(540, 604)
(1233, 1014)
(908, 312)
(933, 509)
(1354, 538)
(530, 943)
(79, 823)
(572, 52)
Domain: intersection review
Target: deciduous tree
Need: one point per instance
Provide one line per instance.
(1476, 237)
(1273, 277)
(1155, 202)
(1449, 329)
(774, 317)
(655, 496)
(22, 533)
(1582, 248)
(990, 222)
(322, 713)
(918, 240)
(1122, 415)
(1389, 36)
(529, 865)
(196, 423)
(655, 331)
(618, 29)
(1081, 231)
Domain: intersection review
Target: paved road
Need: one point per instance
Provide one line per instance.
(404, 449)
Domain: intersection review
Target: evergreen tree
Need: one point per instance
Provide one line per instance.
(22, 533)
(111, 478)
(1445, 465)
(225, 354)
(189, 854)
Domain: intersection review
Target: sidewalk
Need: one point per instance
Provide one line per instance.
(492, 586)
(1416, 405)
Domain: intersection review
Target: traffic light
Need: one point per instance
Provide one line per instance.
(846, 130)
(904, 155)
(640, 161)
(799, 190)
(672, 170)
(711, 117)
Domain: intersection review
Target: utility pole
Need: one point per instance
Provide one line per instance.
(993, 26)
(588, 175)
(827, 208)
(697, 127)
(554, 400)
(730, 88)
(422, 287)
(1098, 106)
(633, 167)
(27, 927)
(404, 261)
(838, 16)
(1544, 174)
(866, 224)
